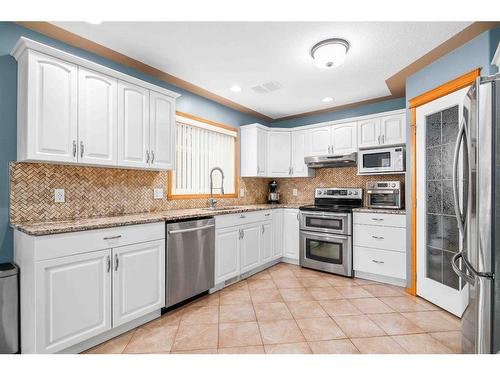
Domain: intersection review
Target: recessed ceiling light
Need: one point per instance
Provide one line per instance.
(235, 88)
(327, 99)
(330, 53)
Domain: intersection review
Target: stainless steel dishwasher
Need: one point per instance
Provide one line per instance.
(190, 260)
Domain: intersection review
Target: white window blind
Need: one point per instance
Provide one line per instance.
(200, 147)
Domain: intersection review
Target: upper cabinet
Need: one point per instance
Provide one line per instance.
(253, 151)
(344, 138)
(299, 150)
(71, 110)
(279, 151)
(382, 131)
(319, 141)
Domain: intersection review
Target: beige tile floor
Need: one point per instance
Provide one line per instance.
(288, 309)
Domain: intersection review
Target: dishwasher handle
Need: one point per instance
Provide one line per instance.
(190, 229)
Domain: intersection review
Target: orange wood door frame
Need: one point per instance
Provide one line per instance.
(436, 93)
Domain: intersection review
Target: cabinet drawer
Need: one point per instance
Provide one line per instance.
(59, 245)
(224, 221)
(388, 220)
(380, 262)
(387, 238)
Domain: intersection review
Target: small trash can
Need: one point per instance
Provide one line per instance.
(9, 308)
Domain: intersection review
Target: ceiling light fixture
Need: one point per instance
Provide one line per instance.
(235, 88)
(327, 99)
(330, 53)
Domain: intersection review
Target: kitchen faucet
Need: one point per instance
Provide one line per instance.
(211, 200)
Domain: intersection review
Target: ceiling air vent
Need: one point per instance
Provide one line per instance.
(267, 87)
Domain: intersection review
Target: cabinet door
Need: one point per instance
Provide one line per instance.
(291, 233)
(279, 154)
(345, 138)
(299, 151)
(51, 123)
(97, 124)
(73, 300)
(133, 125)
(138, 280)
(250, 247)
(277, 233)
(319, 141)
(266, 242)
(369, 132)
(227, 253)
(162, 131)
(261, 152)
(393, 129)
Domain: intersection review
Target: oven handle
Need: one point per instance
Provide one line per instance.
(316, 234)
(324, 214)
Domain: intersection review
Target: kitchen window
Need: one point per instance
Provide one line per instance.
(201, 145)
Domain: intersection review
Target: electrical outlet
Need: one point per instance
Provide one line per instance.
(242, 192)
(158, 193)
(59, 196)
(295, 192)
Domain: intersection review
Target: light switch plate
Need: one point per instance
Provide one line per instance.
(158, 193)
(59, 196)
(295, 192)
(242, 192)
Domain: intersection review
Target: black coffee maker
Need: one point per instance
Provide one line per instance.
(273, 196)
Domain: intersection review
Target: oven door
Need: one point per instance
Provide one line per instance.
(384, 199)
(326, 252)
(338, 223)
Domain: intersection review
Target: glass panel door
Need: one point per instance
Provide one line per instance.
(324, 251)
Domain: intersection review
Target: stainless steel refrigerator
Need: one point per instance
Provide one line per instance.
(476, 188)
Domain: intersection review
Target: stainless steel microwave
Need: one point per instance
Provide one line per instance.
(381, 160)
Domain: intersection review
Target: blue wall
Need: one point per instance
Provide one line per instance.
(368, 109)
(9, 34)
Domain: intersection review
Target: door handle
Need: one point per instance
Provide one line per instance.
(117, 262)
(190, 229)
(82, 147)
(378, 261)
(108, 267)
(462, 134)
(462, 274)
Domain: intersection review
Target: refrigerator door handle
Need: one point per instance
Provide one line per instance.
(463, 274)
(462, 133)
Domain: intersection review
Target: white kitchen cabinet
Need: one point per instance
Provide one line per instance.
(277, 218)
(47, 108)
(344, 138)
(73, 299)
(250, 247)
(138, 280)
(162, 131)
(227, 253)
(319, 141)
(133, 126)
(254, 150)
(291, 233)
(279, 154)
(97, 118)
(393, 129)
(266, 242)
(299, 151)
(369, 132)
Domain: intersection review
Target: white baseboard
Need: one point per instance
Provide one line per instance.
(380, 278)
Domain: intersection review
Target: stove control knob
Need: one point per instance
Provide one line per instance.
(393, 185)
(355, 193)
(350, 193)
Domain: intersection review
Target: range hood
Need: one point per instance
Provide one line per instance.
(331, 161)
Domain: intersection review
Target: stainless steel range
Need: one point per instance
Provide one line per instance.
(326, 230)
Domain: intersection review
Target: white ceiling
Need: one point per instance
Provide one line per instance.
(217, 55)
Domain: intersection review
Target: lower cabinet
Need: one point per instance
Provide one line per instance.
(266, 242)
(250, 247)
(277, 247)
(291, 233)
(73, 300)
(227, 253)
(138, 280)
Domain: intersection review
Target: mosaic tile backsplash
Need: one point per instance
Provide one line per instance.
(96, 192)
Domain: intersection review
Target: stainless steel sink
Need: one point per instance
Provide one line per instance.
(227, 208)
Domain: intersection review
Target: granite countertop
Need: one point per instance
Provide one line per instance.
(76, 225)
(380, 210)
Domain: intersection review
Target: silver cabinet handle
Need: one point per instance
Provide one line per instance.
(267, 214)
(112, 237)
(74, 149)
(378, 238)
(81, 149)
(379, 139)
(377, 219)
(258, 169)
(292, 171)
(263, 229)
(242, 216)
(378, 261)
(147, 156)
(239, 234)
(190, 229)
(152, 157)
(383, 138)
(117, 262)
(242, 234)
(108, 267)
(298, 216)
